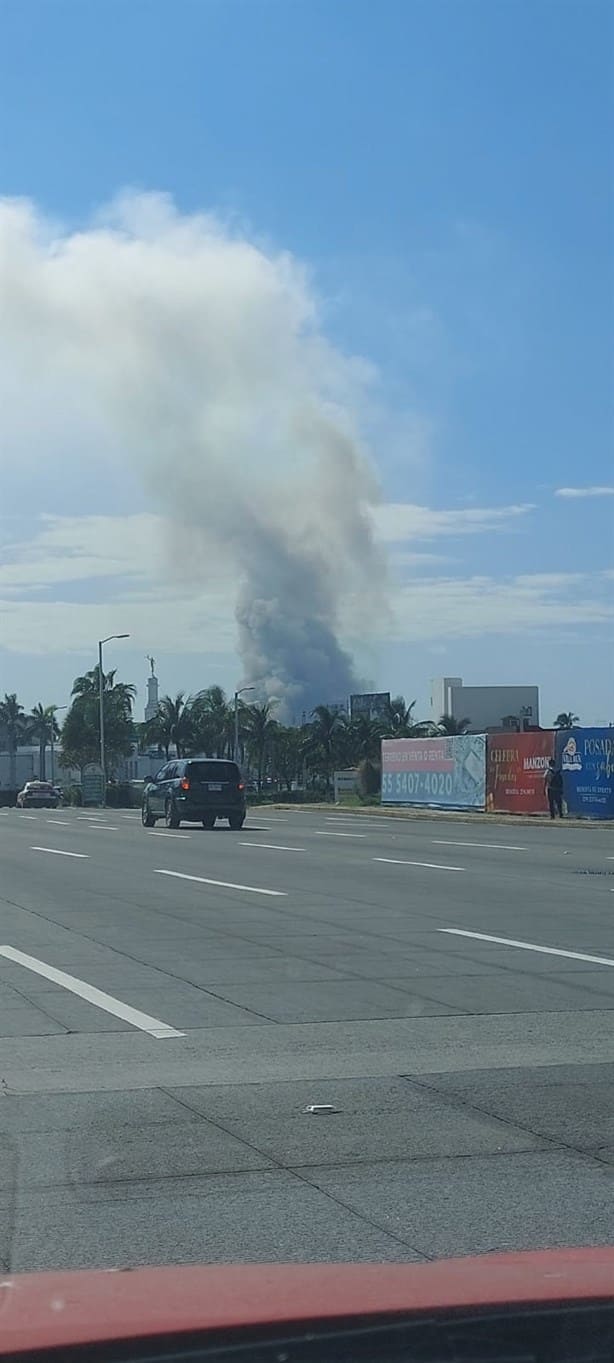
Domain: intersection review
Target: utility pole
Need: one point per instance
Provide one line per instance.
(101, 707)
(56, 709)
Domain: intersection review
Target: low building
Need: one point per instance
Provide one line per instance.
(488, 708)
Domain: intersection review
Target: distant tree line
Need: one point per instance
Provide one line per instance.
(204, 723)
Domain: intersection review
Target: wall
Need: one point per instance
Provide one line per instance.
(586, 758)
(27, 768)
(441, 695)
(516, 769)
(442, 773)
(487, 706)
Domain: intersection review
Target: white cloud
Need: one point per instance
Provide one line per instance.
(77, 548)
(178, 624)
(449, 607)
(398, 521)
(584, 492)
(125, 557)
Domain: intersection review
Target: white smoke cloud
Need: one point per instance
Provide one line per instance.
(177, 348)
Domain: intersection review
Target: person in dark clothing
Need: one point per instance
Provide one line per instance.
(553, 785)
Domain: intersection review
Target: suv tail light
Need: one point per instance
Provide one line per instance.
(241, 785)
(185, 784)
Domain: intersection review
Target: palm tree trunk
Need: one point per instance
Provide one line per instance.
(12, 763)
(42, 755)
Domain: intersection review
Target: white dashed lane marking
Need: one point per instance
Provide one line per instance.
(165, 833)
(498, 846)
(529, 946)
(327, 834)
(431, 865)
(58, 852)
(273, 846)
(97, 997)
(223, 884)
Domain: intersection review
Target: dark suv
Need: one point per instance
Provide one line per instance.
(197, 790)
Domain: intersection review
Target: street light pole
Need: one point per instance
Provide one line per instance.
(101, 707)
(56, 710)
(238, 693)
(101, 718)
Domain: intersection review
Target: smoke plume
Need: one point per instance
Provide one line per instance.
(196, 357)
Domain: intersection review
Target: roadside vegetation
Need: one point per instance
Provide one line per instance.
(279, 759)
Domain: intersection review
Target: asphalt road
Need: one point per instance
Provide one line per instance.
(171, 1004)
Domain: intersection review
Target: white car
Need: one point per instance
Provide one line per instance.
(38, 795)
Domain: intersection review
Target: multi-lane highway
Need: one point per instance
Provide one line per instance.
(172, 1004)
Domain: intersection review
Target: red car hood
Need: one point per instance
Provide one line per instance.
(41, 1310)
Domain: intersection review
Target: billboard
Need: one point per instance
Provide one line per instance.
(447, 773)
(370, 705)
(516, 767)
(586, 758)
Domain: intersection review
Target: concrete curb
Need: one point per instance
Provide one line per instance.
(438, 815)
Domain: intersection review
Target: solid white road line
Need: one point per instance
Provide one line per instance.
(225, 884)
(145, 1023)
(28, 816)
(273, 846)
(164, 833)
(349, 818)
(131, 816)
(59, 823)
(502, 846)
(327, 834)
(529, 946)
(108, 827)
(432, 865)
(57, 852)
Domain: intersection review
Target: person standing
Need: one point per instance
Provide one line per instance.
(553, 785)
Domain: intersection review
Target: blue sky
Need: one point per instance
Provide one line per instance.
(444, 172)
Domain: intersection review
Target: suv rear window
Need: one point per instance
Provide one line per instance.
(214, 771)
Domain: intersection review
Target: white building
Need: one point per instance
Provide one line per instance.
(153, 699)
(486, 707)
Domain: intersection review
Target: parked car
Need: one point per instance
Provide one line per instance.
(195, 790)
(38, 795)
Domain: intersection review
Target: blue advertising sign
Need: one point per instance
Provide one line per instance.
(586, 758)
(447, 773)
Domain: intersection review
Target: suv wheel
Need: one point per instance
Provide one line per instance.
(171, 817)
(147, 819)
(236, 821)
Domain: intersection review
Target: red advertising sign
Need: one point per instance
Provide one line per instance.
(516, 765)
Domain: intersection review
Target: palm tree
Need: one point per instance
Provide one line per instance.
(287, 747)
(365, 739)
(261, 729)
(399, 717)
(452, 727)
(566, 720)
(13, 720)
(326, 740)
(214, 721)
(173, 723)
(123, 693)
(42, 726)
